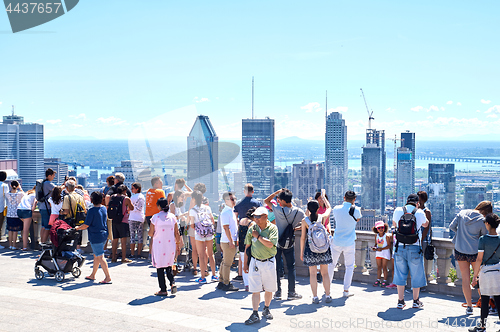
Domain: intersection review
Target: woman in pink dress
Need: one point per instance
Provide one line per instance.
(166, 245)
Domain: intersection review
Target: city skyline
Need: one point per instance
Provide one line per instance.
(416, 77)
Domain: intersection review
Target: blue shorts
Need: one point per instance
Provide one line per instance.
(97, 248)
(24, 214)
(45, 215)
(409, 260)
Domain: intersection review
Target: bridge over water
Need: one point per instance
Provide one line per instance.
(462, 159)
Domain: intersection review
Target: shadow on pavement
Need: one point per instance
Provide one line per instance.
(397, 315)
(149, 299)
(228, 295)
(242, 327)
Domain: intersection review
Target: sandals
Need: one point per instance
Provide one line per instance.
(160, 293)
(89, 278)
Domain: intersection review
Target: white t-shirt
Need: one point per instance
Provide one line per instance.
(27, 202)
(55, 208)
(139, 202)
(419, 215)
(227, 217)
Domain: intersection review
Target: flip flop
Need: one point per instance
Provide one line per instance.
(105, 282)
(89, 278)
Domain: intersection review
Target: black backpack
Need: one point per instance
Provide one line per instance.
(407, 232)
(287, 238)
(115, 208)
(40, 196)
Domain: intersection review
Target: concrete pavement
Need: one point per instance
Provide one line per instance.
(27, 304)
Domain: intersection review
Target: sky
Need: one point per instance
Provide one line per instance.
(107, 69)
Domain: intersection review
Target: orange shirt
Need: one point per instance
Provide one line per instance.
(152, 197)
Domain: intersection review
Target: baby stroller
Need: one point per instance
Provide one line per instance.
(61, 256)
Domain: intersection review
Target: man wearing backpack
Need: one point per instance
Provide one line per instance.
(408, 255)
(346, 217)
(287, 218)
(119, 206)
(43, 192)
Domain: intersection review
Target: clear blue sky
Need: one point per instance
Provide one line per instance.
(99, 70)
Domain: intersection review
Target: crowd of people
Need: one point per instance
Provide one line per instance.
(262, 235)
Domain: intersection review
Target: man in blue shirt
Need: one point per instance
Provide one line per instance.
(344, 239)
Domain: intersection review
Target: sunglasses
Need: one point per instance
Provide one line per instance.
(231, 199)
(258, 217)
(383, 227)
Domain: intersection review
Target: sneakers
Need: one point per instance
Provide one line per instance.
(347, 294)
(201, 280)
(2, 247)
(377, 283)
(230, 288)
(401, 304)
(477, 329)
(220, 285)
(294, 296)
(391, 285)
(173, 289)
(215, 278)
(238, 278)
(418, 304)
(469, 311)
(328, 299)
(254, 318)
(315, 300)
(266, 313)
(277, 295)
(384, 284)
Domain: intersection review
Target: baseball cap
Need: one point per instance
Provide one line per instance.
(412, 198)
(260, 211)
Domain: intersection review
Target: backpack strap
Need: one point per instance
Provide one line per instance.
(493, 254)
(282, 209)
(351, 212)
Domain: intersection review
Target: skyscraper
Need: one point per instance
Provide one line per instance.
(373, 170)
(405, 184)
(336, 157)
(203, 157)
(441, 192)
(24, 143)
(257, 150)
(58, 166)
(408, 141)
(308, 178)
(473, 195)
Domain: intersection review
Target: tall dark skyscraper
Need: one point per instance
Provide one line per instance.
(408, 141)
(373, 168)
(24, 143)
(441, 192)
(203, 157)
(336, 158)
(257, 150)
(308, 178)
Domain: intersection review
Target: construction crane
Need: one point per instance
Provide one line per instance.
(395, 139)
(370, 115)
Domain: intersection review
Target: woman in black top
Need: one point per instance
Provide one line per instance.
(488, 254)
(242, 233)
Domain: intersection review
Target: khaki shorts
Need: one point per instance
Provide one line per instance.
(262, 275)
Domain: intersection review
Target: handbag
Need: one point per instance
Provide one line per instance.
(429, 250)
(489, 277)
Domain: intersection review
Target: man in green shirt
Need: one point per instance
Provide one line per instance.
(262, 237)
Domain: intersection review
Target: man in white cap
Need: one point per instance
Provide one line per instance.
(262, 237)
